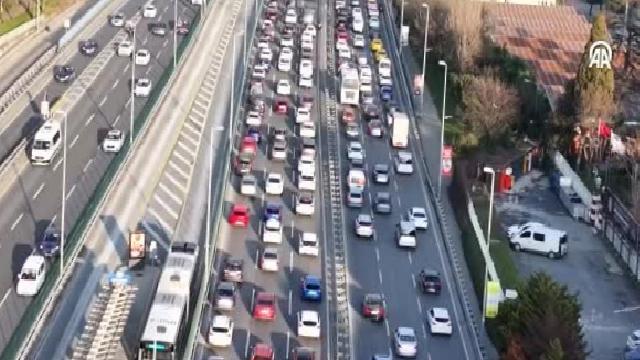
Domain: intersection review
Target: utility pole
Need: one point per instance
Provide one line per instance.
(133, 84)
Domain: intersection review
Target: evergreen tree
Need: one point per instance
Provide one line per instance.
(554, 352)
(594, 87)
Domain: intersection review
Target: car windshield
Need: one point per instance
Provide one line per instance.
(364, 222)
(233, 266)
(309, 323)
(309, 242)
(419, 215)
(225, 292)
(219, 330)
(270, 255)
(265, 302)
(313, 286)
(407, 338)
(306, 200)
(442, 319)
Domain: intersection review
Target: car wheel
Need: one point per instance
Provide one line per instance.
(551, 255)
(517, 247)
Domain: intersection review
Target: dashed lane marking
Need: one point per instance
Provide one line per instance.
(104, 100)
(115, 83)
(17, 221)
(73, 188)
(73, 142)
(89, 119)
(35, 195)
(86, 166)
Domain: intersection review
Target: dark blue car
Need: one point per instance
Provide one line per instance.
(386, 92)
(50, 244)
(254, 132)
(272, 211)
(311, 288)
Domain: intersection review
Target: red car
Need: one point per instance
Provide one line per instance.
(281, 106)
(348, 115)
(265, 306)
(262, 352)
(343, 35)
(243, 163)
(248, 145)
(239, 215)
(373, 307)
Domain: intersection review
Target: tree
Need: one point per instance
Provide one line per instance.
(491, 107)
(594, 87)
(544, 319)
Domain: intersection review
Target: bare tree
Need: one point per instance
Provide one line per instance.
(491, 107)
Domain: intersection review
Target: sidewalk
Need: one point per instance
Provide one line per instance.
(29, 48)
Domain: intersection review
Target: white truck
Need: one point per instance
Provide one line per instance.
(400, 130)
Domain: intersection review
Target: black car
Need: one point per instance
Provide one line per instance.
(381, 174)
(382, 203)
(89, 47)
(50, 244)
(63, 73)
(233, 270)
(370, 112)
(159, 29)
(430, 282)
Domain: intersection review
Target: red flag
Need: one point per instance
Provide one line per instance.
(604, 130)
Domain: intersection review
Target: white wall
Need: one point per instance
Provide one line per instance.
(525, 2)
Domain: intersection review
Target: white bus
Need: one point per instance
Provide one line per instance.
(46, 143)
(169, 313)
(349, 87)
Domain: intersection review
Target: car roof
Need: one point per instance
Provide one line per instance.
(221, 321)
(418, 210)
(266, 296)
(311, 279)
(383, 195)
(430, 272)
(404, 154)
(309, 236)
(262, 350)
(309, 315)
(240, 207)
(440, 312)
(405, 330)
(228, 285)
(365, 217)
(373, 296)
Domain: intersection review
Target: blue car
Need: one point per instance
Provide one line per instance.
(50, 244)
(272, 211)
(311, 288)
(386, 92)
(254, 132)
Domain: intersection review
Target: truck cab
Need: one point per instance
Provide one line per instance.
(46, 143)
(538, 238)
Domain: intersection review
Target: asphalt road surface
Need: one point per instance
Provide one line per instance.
(246, 244)
(35, 198)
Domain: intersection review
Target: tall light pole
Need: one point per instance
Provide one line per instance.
(491, 171)
(246, 34)
(444, 98)
(175, 33)
(424, 55)
(208, 225)
(233, 80)
(401, 23)
(64, 188)
(133, 85)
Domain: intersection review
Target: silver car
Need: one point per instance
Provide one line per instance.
(225, 296)
(404, 340)
(355, 197)
(364, 225)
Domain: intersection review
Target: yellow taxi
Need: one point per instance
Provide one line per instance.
(380, 54)
(376, 44)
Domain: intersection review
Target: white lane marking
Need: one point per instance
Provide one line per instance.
(17, 221)
(164, 44)
(89, 119)
(115, 122)
(424, 333)
(380, 275)
(53, 219)
(86, 166)
(399, 202)
(419, 305)
(144, 41)
(4, 298)
(146, 72)
(256, 262)
(126, 68)
(253, 297)
(160, 17)
(413, 280)
(390, 157)
(158, 55)
(246, 344)
(126, 105)
(627, 309)
(55, 167)
(395, 185)
(104, 100)
(291, 261)
(165, 8)
(115, 83)
(293, 228)
(290, 305)
(410, 258)
(73, 188)
(35, 195)
(262, 199)
(377, 254)
(386, 324)
(73, 142)
(288, 344)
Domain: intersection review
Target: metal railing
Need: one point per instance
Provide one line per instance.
(26, 332)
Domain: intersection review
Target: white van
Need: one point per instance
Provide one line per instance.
(357, 24)
(356, 179)
(31, 276)
(538, 238)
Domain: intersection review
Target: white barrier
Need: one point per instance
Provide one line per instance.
(576, 183)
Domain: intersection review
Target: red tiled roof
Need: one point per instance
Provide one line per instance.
(550, 39)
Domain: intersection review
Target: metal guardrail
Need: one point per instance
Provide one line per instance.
(337, 255)
(82, 22)
(38, 311)
(437, 203)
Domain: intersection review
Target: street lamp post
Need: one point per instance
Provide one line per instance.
(233, 80)
(175, 33)
(444, 98)
(133, 85)
(491, 171)
(208, 225)
(64, 188)
(400, 32)
(424, 55)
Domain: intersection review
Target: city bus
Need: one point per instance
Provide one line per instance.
(349, 87)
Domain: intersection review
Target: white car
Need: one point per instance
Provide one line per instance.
(358, 41)
(306, 163)
(286, 52)
(374, 23)
(124, 48)
(365, 73)
(354, 150)
(406, 234)
(143, 57)
(269, 260)
(150, 11)
(355, 3)
(374, 12)
(291, 17)
(308, 244)
(266, 54)
(253, 118)
(308, 130)
(259, 72)
(248, 185)
(307, 180)
(142, 88)
(263, 43)
(225, 296)
(221, 331)
(284, 64)
(439, 321)
(283, 87)
(356, 12)
(303, 115)
(279, 150)
(272, 231)
(309, 324)
(364, 87)
(404, 163)
(307, 37)
(267, 23)
(117, 20)
(305, 82)
(340, 4)
(633, 340)
(362, 60)
(364, 226)
(113, 141)
(310, 29)
(342, 45)
(305, 204)
(286, 41)
(405, 341)
(384, 67)
(344, 54)
(418, 216)
(385, 80)
(307, 44)
(274, 184)
(306, 68)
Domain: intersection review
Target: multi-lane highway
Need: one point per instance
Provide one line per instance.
(246, 243)
(35, 198)
(379, 266)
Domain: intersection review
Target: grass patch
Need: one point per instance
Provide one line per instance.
(8, 25)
